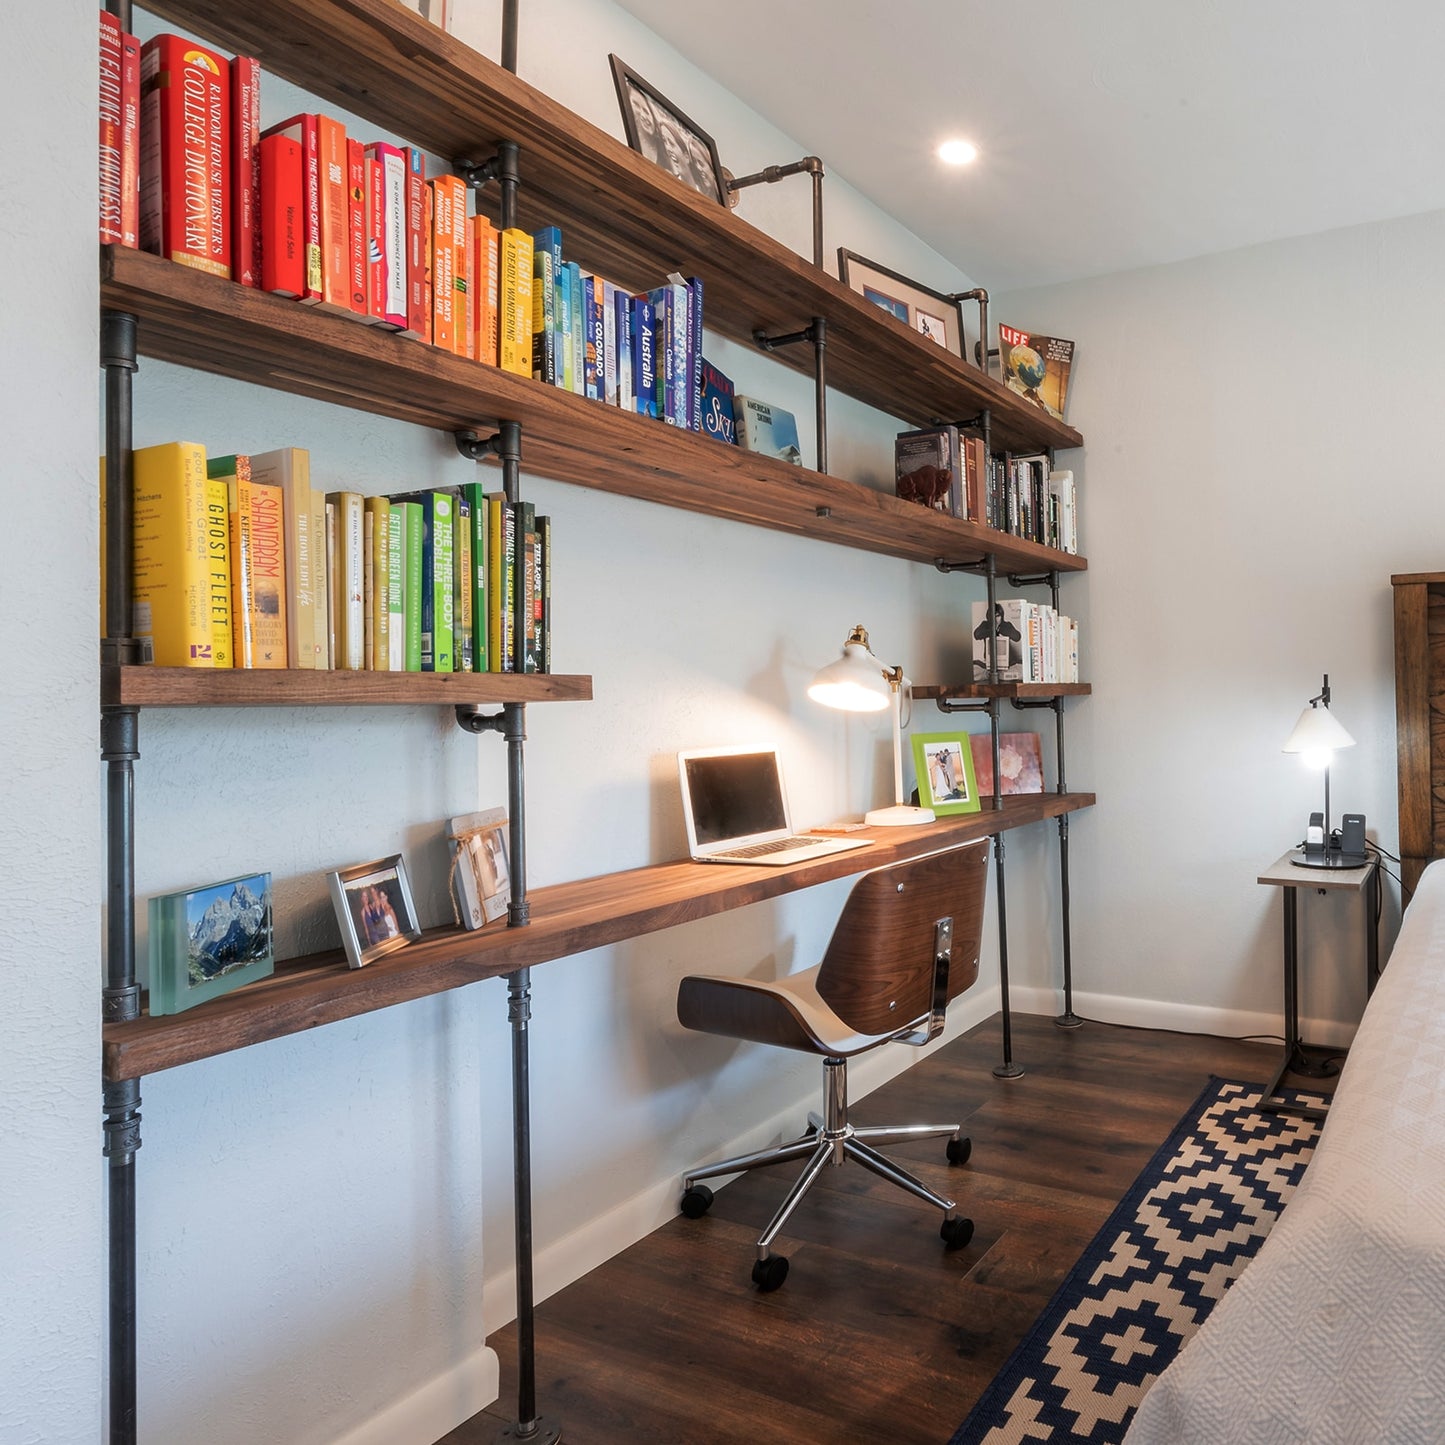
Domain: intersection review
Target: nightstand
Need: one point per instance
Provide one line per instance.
(1286, 875)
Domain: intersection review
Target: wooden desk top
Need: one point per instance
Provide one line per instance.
(566, 918)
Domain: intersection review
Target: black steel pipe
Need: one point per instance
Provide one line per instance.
(1007, 1069)
(820, 347)
(509, 35)
(122, 1139)
(508, 178)
(118, 359)
(1068, 1019)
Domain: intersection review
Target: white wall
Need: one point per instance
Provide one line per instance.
(1256, 472)
(52, 1241)
(312, 1211)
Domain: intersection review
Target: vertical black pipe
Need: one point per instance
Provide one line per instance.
(818, 217)
(1007, 1069)
(118, 358)
(508, 158)
(509, 35)
(993, 676)
(1068, 1019)
(820, 346)
(121, 10)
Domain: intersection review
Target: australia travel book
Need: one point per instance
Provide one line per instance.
(1036, 367)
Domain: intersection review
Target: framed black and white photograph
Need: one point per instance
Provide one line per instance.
(657, 129)
(928, 312)
(374, 908)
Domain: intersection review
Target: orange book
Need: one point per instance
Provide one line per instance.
(358, 217)
(483, 294)
(335, 214)
(449, 263)
(469, 285)
(258, 572)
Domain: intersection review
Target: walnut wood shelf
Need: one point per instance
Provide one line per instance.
(210, 324)
(620, 215)
(567, 918)
(288, 687)
(944, 691)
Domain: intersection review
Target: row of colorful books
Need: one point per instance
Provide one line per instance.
(1035, 643)
(240, 562)
(952, 473)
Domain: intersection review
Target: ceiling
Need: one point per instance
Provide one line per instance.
(1113, 133)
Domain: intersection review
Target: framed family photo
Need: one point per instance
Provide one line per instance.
(943, 763)
(928, 312)
(481, 875)
(657, 129)
(374, 908)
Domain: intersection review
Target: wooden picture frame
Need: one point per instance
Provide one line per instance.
(374, 908)
(918, 307)
(657, 129)
(943, 764)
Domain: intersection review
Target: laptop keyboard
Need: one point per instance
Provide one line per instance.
(778, 845)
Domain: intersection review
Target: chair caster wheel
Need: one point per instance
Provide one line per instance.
(959, 1150)
(956, 1233)
(697, 1201)
(769, 1273)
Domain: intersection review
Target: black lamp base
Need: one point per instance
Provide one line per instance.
(1329, 858)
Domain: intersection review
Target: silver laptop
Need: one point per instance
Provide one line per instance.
(737, 810)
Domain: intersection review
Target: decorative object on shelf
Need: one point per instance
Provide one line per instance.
(1009, 630)
(944, 766)
(1318, 737)
(1020, 763)
(927, 469)
(657, 129)
(481, 878)
(374, 907)
(209, 940)
(768, 429)
(933, 314)
(858, 682)
(1036, 367)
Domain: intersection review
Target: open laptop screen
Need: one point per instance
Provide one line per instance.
(735, 795)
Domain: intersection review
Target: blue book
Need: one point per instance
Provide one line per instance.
(626, 394)
(565, 326)
(663, 310)
(644, 357)
(694, 344)
(596, 340)
(717, 404)
(579, 330)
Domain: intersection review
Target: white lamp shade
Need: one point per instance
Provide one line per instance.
(1317, 732)
(854, 682)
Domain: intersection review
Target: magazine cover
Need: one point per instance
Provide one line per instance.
(1037, 367)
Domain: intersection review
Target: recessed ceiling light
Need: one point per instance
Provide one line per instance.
(958, 152)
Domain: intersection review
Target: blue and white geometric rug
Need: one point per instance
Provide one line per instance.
(1187, 1227)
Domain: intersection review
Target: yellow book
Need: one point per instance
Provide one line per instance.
(515, 297)
(290, 469)
(496, 509)
(258, 572)
(170, 581)
(378, 593)
(218, 555)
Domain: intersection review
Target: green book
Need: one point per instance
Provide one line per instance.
(396, 591)
(411, 531)
(476, 499)
(462, 625)
(440, 520)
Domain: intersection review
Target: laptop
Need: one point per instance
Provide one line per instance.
(737, 810)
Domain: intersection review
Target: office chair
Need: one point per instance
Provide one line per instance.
(905, 944)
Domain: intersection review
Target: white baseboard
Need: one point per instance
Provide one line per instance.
(437, 1408)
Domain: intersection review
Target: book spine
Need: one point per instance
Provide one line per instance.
(267, 576)
(376, 584)
(357, 225)
(218, 570)
(112, 125)
(185, 154)
(694, 343)
(462, 621)
(170, 585)
(609, 343)
(418, 294)
(596, 340)
(484, 294)
(320, 576)
(443, 539)
(303, 130)
(544, 316)
(395, 235)
(474, 500)
(626, 396)
(644, 356)
(130, 142)
(516, 302)
(507, 587)
(348, 584)
(496, 508)
(375, 259)
(544, 569)
(333, 587)
(579, 329)
(246, 170)
(283, 253)
(527, 582)
(413, 555)
(449, 248)
(335, 215)
(396, 590)
(469, 286)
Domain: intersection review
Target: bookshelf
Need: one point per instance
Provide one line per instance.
(624, 218)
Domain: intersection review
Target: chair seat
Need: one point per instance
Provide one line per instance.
(787, 1013)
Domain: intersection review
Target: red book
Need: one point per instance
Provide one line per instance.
(357, 219)
(394, 234)
(282, 225)
(302, 130)
(335, 215)
(418, 247)
(112, 123)
(185, 212)
(375, 240)
(245, 170)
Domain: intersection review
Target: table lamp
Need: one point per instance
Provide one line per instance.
(858, 682)
(1317, 736)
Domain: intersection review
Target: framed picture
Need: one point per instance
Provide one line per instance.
(481, 875)
(374, 907)
(657, 129)
(1020, 764)
(209, 940)
(930, 313)
(944, 766)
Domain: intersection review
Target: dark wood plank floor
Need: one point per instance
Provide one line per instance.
(878, 1334)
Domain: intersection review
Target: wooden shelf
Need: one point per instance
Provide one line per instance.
(210, 324)
(944, 691)
(620, 215)
(249, 687)
(568, 918)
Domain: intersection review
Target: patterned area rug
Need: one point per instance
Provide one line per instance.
(1187, 1227)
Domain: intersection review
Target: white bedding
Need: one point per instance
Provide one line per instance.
(1335, 1332)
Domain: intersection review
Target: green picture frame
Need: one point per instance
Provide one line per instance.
(943, 765)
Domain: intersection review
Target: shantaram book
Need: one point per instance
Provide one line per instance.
(304, 514)
(258, 565)
(1036, 367)
(185, 186)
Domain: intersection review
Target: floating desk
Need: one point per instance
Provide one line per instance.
(1288, 876)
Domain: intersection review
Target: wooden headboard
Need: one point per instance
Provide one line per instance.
(1420, 718)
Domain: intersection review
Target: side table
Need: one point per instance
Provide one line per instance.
(1300, 1057)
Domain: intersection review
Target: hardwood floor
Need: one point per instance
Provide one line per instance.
(878, 1334)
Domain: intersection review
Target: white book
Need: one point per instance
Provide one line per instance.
(1011, 629)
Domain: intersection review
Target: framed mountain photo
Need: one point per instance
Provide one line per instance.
(208, 941)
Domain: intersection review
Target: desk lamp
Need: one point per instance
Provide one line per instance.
(1317, 737)
(858, 682)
